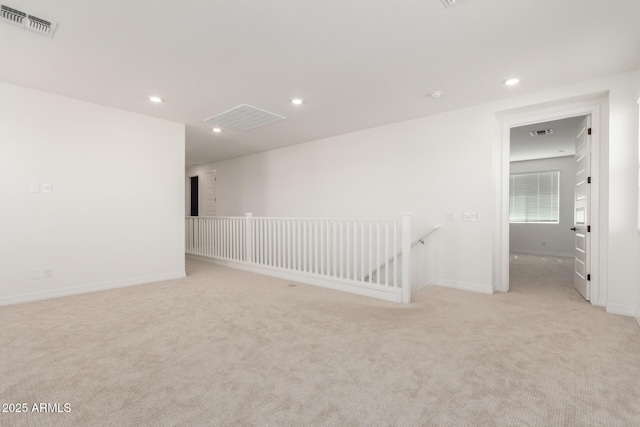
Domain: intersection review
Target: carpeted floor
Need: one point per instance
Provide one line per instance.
(230, 348)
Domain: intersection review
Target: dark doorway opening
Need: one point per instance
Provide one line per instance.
(194, 196)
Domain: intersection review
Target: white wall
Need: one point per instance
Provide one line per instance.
(624, 251)
(638, 235)
(114, 217)
(445, 163)
(547, 239)
(382, 172)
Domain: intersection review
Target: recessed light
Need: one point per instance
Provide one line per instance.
(217, 130)
(511, 82)
(296, 101)
(156, 99)
(437, 94)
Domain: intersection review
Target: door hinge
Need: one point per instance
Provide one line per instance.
(588, 277)
(589, 131)
(588, 229)
(589, 180)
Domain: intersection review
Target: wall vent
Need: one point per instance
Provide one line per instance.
(244, 117)
(541, 132)
(27, 21)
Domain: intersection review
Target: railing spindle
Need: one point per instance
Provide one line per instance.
(348, 248)
(370, 266)
(341, 246)
(386, 253)
(395, 254)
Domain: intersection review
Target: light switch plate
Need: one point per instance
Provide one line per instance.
(47, 188)
(34, 188)
(471, 217)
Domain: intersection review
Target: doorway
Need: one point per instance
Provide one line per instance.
(548, 197)
(194, 196)
(505, 121)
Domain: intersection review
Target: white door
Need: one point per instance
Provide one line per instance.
(582, 217)
(210, 194)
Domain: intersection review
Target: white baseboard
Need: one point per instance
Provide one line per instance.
(431, 283)
(542, 253)
(387, 294)
(638, 316)
(622, 310)
(465, 286)
(83, 289)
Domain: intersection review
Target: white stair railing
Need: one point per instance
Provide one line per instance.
(333, 252)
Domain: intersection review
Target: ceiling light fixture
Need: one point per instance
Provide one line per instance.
(296, 101)
(511, 82)
(217, 130)
(437, 94)
(155, 99)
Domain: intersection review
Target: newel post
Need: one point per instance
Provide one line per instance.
(248, 237)
(406, 257)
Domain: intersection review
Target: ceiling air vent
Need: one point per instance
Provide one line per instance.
(27, 21)
(451, 3)
(541, 132)
(244, 117)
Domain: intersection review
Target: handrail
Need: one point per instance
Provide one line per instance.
(420, 239)
(425, 235)
(308, 218)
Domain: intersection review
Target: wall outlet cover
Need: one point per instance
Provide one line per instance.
(47, 188)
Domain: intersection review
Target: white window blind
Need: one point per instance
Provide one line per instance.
(534, 197)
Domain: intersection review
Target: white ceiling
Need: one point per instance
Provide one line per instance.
(356, 63)
(558, 144)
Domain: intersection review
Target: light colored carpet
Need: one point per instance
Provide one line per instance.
(225, 347)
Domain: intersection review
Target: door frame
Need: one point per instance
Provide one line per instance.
(590, 105)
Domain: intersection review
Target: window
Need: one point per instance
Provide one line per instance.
(534, 197)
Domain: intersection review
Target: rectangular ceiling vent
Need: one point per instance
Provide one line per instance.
(27, 21)
(451, 3)
(541, 132)
(244, 117)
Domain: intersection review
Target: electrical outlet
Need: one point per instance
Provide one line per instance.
(48, 273)
(36, 273)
